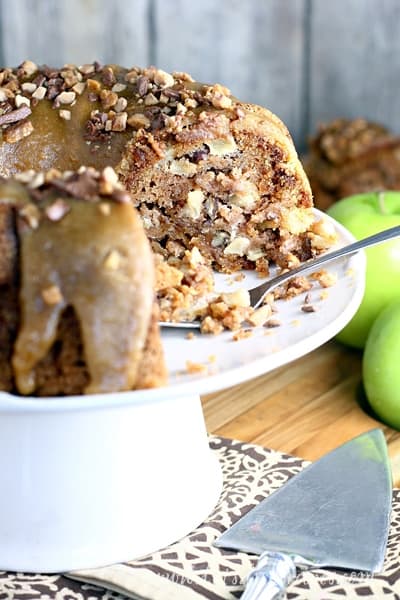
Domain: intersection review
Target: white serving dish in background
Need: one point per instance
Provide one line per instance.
(93, 480)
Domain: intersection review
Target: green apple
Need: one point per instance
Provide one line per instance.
(381, 373)
(363, 215)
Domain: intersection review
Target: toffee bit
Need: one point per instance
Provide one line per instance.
(118, 87)
(108, 77)
(66, 97)
(39, 93)
(142, 84)
(82, 185)
(15, 115)
(17, 132)
(57, 210)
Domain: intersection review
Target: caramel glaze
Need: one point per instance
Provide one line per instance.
(65, 144)
(100, 263)
(57, 143)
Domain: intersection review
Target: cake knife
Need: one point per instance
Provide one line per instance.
(335, 513)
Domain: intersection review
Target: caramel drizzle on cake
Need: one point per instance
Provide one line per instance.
(82, 245)
(204, 169)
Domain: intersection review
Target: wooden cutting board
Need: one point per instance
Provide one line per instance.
(305, 408)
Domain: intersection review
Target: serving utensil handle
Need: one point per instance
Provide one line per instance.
(270, 578)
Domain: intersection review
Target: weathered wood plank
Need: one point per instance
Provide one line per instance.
(53, 32)
(255, 48)
(355, 61)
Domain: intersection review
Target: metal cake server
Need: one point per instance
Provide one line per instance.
(258, 293)
(335, 513)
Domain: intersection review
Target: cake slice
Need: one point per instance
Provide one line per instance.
(77, 302)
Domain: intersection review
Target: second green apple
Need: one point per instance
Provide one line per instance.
(364, 215)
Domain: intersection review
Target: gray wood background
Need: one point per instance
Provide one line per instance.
(307, 60)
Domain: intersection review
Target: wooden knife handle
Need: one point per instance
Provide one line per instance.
(270, 578)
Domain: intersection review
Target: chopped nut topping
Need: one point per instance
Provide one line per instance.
(28, 68)
(15, 115)
(121, 105)
(219, 96)
(87, 69)
(138, 120)
(118, 87)
(108, 99)
(163, 79)
(108, 77)
(52, 295)
(29, 87)
(57, 210)
(142, 84)
(66, 97)
(39, 93)
(17, 132)
(119, 121)
(65, 114)
(150, 99)
(79, 87)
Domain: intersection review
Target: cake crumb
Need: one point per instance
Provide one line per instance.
(190, 336)
(193, 367)
(308, 308)
(242, 334)
(324, 278)
(272, 323)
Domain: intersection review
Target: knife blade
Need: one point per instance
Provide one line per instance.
(334, 513)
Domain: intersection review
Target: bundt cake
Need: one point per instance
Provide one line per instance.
(77, 301)
(351, 156)
(204, 169)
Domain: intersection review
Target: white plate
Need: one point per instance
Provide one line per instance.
(231, 362)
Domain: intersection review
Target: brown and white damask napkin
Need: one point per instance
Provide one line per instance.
(192, 569)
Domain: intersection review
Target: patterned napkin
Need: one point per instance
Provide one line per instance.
(192, 569)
